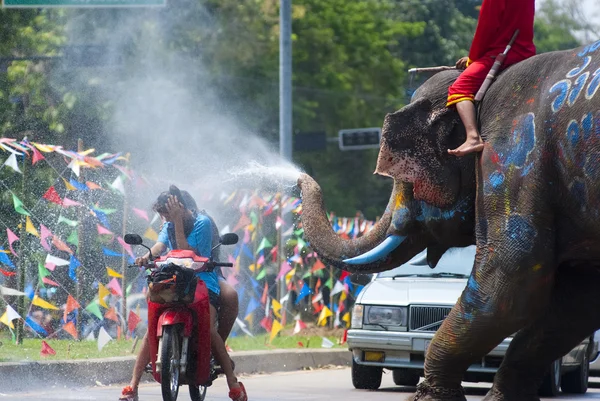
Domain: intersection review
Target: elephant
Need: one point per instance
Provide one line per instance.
(530, 202)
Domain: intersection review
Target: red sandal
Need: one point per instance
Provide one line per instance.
(129, 394)
(238, 394)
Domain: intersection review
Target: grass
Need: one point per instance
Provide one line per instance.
(70, 349)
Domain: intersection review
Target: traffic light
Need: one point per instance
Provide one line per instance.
(359, 138)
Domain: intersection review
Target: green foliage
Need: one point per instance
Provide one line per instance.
(554, 28)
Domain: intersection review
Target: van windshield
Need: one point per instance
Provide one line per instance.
(456, 262)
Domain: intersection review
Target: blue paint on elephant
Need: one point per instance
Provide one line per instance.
(521, 232)
(594, 85)
(562, 86)
(589, 49)
(527, 169)
(577, 87)
(573, 132)
(577, 70)
(400, 217)
(496, 179)
(522, 144)
(587, 124)
(470, 294)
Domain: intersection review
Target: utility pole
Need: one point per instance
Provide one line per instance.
(285, 117)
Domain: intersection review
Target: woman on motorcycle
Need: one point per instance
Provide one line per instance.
(193, 232)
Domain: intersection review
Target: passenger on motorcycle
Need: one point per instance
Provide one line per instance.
(190, 231)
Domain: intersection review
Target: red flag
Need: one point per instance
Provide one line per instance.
(265, 294)
(70, 328)
(317, 266)
(132, 321)
(267, 323)
(71, 305)
(61, 245)
(52, 196)
(7, 273)
(46, 350)
(344, 337)
(344, 275)
(112, 315)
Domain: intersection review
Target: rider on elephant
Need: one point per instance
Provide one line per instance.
(498, 21)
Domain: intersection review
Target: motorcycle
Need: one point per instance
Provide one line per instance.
(179, 320)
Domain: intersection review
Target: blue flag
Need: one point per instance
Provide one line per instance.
(36, 327)
(4, 259)
(108, 252)
(252, 305)
(78, 185)
(73, 265)
(304, 292)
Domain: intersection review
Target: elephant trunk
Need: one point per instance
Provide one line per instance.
(353, 255)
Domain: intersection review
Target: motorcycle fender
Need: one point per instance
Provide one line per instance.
(171, 317)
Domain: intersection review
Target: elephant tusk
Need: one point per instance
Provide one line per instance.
(377, 253)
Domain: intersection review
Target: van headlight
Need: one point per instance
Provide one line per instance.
(357, 316)
(386, 315)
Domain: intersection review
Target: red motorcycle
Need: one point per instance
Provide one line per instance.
(179, 320)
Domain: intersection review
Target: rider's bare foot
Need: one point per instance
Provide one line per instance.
(238, 392)
(471, 145)
(129, 394)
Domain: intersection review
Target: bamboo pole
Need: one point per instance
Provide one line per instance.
(123, 258)
(22, 266)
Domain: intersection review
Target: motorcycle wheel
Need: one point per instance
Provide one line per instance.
(197, 393)
(170, 357)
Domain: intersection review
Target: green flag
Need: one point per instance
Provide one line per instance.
(68, 222)
(42, 272)
(329, 283)
(254, 218)
(307, 274)
(301, 243)
(263, 244)
(19, 206)
(262, 274)
(73, 238)
(106, 211)
(94, 309)
(299, 232)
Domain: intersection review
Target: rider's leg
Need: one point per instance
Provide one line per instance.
(228, 311)
(222, 357)
(142, 359)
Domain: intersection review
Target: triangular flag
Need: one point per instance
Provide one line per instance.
(71, 305)
(72, 223)
(37, 156)
(337, 288)
(102, 230)
(111, 314)
(346, 318)
(19, 206)
(73, 238)
(9, 315)
(52, 196)
(115, 287)
(45, 234)
(103, 338)
(132, 321)
(46, 280)
(90, 337)
(42, 304)
(151, 234)
(12, 162)
(300, 325)
(276, 306)
(29, 227)
(267, 323)
(94, 309)
(126, 246)
(56, 261)
(305, 291)
(141, 213)
(118, 185)
(275, 329)
(102, 293)
(113, 273)
(46, 350)
(61, 245)
(68, 185)
(326, 343)
(263, 244)
(11, 238)
(70, 328)
(325, 313)
(9, 291)
(317, 266)
(285, 269)
(92, 185)
(69, 202)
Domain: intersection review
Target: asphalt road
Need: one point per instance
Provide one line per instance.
(318, 385)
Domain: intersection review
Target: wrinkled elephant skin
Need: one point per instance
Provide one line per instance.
(530, 202)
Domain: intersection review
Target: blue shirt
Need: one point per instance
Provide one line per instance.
(200, 239)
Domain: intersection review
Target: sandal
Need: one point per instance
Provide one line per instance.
(129, 394)
(238, 394)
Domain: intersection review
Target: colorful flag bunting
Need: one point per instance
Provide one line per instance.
(35, 326)
(55, 261)
(70, 328)
(325, 313)
(151, 234)
(11, 238)
(52, 196)
(113, 273)
(72, 223)
(300, 325)
(12, 163)
(69, 202)
(45, 234)
(132, 321)
(115, 287)
(43, 304)
(94, 309)
(276, 327)
(70, 306)
(103, 338)
(46, 350)
(19, 208)
(29, 227)
(141, 213)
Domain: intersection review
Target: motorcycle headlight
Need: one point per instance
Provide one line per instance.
(386, 315)
(357, 316)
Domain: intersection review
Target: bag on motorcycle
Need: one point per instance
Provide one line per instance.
(172, 283)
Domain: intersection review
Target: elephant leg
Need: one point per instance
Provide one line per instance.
(572, 315)
(510, 284)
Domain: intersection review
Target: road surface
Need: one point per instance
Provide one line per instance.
(318, 385)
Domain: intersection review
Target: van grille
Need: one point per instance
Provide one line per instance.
(427, 318)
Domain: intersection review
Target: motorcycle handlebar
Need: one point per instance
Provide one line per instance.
(222, 264)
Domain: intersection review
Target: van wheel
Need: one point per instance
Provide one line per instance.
(405, 377)
(551, 385)
(366, 377)
(576, 381)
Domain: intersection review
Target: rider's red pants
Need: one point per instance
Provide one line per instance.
(470, 80)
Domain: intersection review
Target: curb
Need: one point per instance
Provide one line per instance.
(16, 376)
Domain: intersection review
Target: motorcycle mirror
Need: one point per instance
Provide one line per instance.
(229, 239)
(133, 239)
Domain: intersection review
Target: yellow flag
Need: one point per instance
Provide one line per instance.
(346, 318)
(113, 273)
(102, 292)
(43, 148)
(276, 328)
(30, 228)
(343, 296)
(325, 313)
(68, 185)
(276, 307)
(290, 275)
(151, 234)
(252, 267)
(4, 319)
(249, 319)
(42, 304)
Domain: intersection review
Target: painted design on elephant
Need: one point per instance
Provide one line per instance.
(591, 48)
(521, 232)
(568, 92)
(517, 150)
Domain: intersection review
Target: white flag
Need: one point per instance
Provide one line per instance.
(118, 185)
(326, 343)
(12, 163)
(90, 336)
(56, 261)
(73, 165)
(103, 338)
(337, 288)
(243, 326)
(9, 291)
